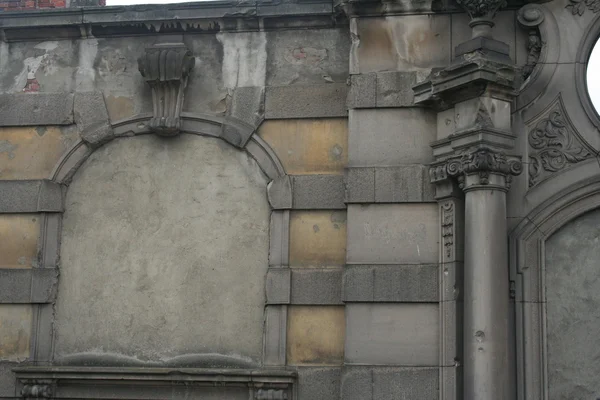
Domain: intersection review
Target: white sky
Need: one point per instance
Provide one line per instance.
(593, 76)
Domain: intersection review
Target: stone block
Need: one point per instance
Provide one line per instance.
(316, 56)
(18, 247)
(446, 124)
(278, 285)
(248, 105)
(274, 345)
(8, 380)
(27, 109)
(279, 192)
(89, 109)
(391, 283)
(30, 196)
(406, 383)
(279, 241)
(394, 89)
(315, 335)
(309, 146)
(363, 91)
(318, 192)
(28, 285)
(317, 238)
(32, 152)
(403, 43)
(392, 334)
(360, 185)
(390, 137)
(319, 383)
(405, 184)
(503, 30)
(317, 286)
(393, 234)
(357, 383)
(16, 323)
(310, 101)
(483, 112)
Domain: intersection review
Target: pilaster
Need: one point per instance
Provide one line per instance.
(472, 154)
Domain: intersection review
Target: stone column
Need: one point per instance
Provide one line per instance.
(474, 95)
(485, 176)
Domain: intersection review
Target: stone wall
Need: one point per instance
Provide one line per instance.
(290, 238)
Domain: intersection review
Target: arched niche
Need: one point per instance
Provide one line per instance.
(538, 269)
(165, 246)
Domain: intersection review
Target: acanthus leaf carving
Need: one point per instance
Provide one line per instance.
(577, 7)
(166, 68)
(555, 145)
(37, 389)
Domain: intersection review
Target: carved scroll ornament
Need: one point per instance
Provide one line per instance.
(555, 145)
(166, 68)
(578, 7)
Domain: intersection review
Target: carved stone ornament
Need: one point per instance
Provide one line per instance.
(482, 12)
(37, 389)
(166, 68)
(448, 227)
(554, 145)
(271, 394)
(531, 17)
(479, 163)
(578, 7)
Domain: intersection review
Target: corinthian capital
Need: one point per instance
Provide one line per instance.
(166, 67)
(482, 12)
(478, 168)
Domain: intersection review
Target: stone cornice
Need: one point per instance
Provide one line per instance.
(481, 168)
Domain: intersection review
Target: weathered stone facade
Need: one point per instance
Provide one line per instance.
(354, 200)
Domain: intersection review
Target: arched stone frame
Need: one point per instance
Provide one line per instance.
(279, 195)
(527, 269)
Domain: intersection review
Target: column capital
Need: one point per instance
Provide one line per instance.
(478, 168)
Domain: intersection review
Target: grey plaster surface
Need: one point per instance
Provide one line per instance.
(159, 238)
(573, 298)
(7, 380)
(392, 334)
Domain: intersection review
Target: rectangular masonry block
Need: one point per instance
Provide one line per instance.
(278, 285)
(403, 184)
(393, 234)
(393, 334)
(317, 238)
(317, 286)
(386, 383)
(318, 192)
(15, 331)
(306, 101)
(402, 43)
(30, 285)
(319, 383)
(274, 344)
(27, 196)
(308, 146)
(390, 137)
(391, 283)
(19, 233)
(315, 335)
(23, 109)
(32, 152)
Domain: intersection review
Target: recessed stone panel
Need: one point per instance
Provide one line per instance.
(318, 146)
(393, 233)
(392, 334)
(164, 251)
(19, 233)
(15, 331)
(391, 137)
(573, 299)
(317, 238)
(315, 335)
(32, 152)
